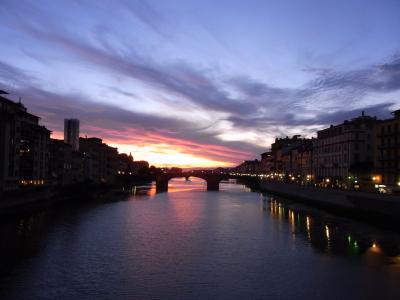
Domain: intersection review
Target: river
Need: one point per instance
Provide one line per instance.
(193, 244)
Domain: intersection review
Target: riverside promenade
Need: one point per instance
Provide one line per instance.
(379, 207)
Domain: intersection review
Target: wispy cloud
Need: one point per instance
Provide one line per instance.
(179, 79)
(245, 109)
(119, 126)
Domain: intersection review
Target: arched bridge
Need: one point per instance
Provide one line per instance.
(212, 179)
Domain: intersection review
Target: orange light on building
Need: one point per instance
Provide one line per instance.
(375, 248)
(376, 178)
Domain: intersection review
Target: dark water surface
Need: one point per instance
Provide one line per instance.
(192, 244)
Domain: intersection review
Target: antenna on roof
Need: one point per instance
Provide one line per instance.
(19, 99)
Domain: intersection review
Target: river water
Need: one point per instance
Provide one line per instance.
(193, 244)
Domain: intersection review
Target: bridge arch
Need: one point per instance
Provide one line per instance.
(187, 182)
(212, 180)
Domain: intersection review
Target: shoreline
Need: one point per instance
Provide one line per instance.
(25, 202)
(376, 209)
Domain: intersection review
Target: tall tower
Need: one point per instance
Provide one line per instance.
(71, 133)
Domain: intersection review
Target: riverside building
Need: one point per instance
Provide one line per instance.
(71, 133)
(387, 151)
(23, 147)
(343, 152)
(100, 161)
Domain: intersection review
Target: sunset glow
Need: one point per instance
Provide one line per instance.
(166, 156)
(184, 155)
(199, 84)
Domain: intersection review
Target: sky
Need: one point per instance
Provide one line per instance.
(200, 83)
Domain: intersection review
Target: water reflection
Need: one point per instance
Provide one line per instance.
(20, 238)
(140, 192)
(195, 245)
(24, 236)
(329, 235)
(177, 185)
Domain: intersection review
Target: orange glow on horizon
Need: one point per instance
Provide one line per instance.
(165, 155)
(59, 135)
(169, 156)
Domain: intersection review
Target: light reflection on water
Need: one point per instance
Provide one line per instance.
(177, 185)
(193, 244)
(336, 236)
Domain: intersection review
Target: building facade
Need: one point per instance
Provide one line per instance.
(65, 165)
(344, 150)
(292, 156)
(249, 167)
(100, 161)
(71, 133)
(267, 162)
(24, 147)
(387, 150)
(301, 159)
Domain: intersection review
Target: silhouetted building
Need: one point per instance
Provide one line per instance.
(222, 170)
(60, 162)
(125, 164)
(292, 156)
(100, 161)
(140, 165)
(267, 162)
(249, 167)
(77, 167)
(279, 150)
(344, 150)
(301, 156)
(71, 133)
(387, 150)
(66, 165)
(23, 147)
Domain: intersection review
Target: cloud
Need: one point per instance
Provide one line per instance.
(179, 79)
(117, 125)
(379, 78)
(237, 103)
(330, 98)
(146, 14)
(13, 76)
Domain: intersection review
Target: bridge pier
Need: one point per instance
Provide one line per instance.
(162, 185)
(212, 180)
(212, 184)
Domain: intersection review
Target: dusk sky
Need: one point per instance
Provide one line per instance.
(200, 83)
